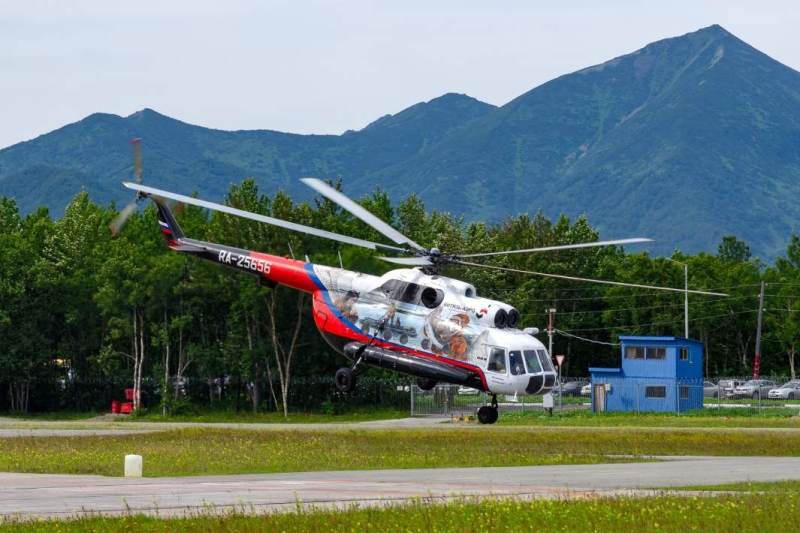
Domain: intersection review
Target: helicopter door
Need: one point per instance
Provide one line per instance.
(497, 360)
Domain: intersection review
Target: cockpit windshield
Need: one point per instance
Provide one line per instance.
(532, 361)
(538, 361)
(515, 361)
(547, 364)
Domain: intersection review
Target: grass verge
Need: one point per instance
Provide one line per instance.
(730, 418)
(739, 514)
(202, 451)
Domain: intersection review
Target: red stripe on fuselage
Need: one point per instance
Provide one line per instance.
(286, 271)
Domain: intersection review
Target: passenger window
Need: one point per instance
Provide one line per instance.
(497, 361)
(515, 362)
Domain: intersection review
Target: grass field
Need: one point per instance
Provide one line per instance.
(771, 511)
(203, 451)
(730, 418)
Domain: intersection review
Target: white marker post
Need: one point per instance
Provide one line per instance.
(133, 466)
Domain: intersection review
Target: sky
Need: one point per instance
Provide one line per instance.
(325, 67)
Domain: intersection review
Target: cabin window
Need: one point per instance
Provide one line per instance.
(497, 360)
(684, 393)
(634, 352)
(515, 361)
(684, 353)
(645, 352)
(656, 392)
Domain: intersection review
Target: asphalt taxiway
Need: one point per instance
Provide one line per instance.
(31, 496)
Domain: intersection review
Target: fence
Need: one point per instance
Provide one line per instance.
(681, 397)
(318, 395)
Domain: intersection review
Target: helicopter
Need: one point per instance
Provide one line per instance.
(410, 320)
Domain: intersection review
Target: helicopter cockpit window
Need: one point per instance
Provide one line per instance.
(497, 360)
(515, 362)
(532, 360)
(547, 364)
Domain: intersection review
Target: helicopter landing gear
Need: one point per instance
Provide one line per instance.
(345, 380)
(488, 413)
(426, 384)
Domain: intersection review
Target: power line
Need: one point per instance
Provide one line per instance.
(584, 339)
(667, 323)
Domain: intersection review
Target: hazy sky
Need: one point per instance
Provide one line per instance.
(325, 66)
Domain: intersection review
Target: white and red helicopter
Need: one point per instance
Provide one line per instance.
(410, 320)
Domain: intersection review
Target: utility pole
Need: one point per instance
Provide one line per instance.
(550, 331)
(685, 296)
(757, 362)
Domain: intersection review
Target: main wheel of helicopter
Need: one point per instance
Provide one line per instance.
(345, 380)
(487, 415)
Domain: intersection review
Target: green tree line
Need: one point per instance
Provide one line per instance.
(77, 303)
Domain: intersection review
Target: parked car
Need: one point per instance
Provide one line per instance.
(710, 390)
(789, 391)
(755, 388)
(727, 386)
(467, 390)
(570, 388)
(586, 390)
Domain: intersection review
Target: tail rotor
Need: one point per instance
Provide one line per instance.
(118, 223)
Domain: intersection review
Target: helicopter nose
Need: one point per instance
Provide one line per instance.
(534, 384)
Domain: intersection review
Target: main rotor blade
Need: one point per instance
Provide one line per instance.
(411, 261)
(636, 285)
(263, 218)
(332, 194)
(564, 247)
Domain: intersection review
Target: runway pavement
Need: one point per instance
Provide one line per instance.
(43, 495)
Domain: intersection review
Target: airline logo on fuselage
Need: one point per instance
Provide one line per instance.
(459, 307)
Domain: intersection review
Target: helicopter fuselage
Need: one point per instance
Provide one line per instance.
(428, 326)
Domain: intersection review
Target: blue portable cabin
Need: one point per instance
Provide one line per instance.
(657, 374)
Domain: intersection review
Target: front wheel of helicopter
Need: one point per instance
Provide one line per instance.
(487, 415)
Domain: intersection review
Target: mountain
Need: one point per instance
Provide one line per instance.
(94, 154)
(686, 140)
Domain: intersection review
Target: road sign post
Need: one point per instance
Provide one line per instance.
(560, 361)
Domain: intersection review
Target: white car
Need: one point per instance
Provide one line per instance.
(789, 391)
(586, 390)
(467, 390)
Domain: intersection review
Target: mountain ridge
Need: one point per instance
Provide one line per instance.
(686, 140)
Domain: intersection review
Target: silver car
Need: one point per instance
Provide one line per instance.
(710, 390)
(789, 391)
(727, 386)
(755, 388)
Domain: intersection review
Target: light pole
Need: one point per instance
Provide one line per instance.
(685, 296)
